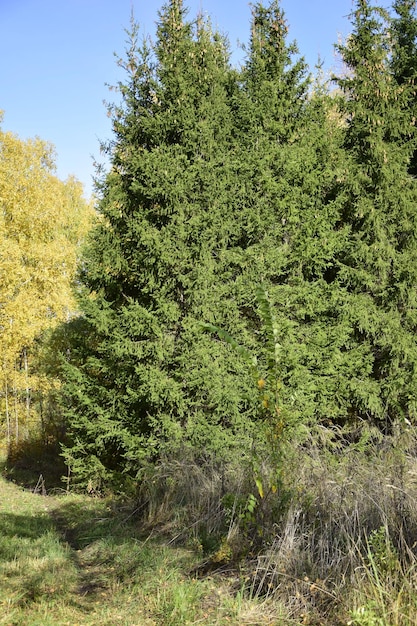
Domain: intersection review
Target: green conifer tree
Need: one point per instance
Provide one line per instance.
(292, 172)
(306, 295)
(404, 68)
(294, 167)
(376, 268)
(275, 82)
(158, 263)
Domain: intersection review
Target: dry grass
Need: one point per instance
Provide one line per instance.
(335, 545)
(345, 552)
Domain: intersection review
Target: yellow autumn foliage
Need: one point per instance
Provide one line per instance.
(42, 222)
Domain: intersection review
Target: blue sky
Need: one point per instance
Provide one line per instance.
(56, 57)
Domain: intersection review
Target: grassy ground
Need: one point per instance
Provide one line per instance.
(81, 561)
(335, 545)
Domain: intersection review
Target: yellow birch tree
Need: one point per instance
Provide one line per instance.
(42, 222)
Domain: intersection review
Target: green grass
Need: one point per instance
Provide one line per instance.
(82, 561)
(343, 551)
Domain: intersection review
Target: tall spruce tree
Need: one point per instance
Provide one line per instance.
(143, 375)
(289, 153)
(193, 217)
(377, 268)
(404, 69)
(305, 294)
(294, 165)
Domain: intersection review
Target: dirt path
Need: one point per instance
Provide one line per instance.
(56, 565)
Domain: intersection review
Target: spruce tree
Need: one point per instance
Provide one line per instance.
(376, 268)
(143, 377)
(404, 69)
(289, 155)
(305, 294)
(195, 214)
(294, 164)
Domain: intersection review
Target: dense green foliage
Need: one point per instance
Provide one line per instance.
(377, 268)
(222, 180)
(404, 69)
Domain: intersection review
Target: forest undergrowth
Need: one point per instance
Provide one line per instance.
(334, 545)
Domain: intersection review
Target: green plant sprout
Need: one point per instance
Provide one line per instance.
(269, 386)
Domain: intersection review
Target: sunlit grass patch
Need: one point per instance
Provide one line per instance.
(34, 563)
(75, 560)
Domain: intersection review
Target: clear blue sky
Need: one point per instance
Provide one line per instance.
(56, 57)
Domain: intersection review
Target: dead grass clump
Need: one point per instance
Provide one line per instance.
(182, 498)
(350, 531)
(333, 541)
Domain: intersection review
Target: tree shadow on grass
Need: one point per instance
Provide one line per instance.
(33, 458)
(106, 541)
(23, 534)
(24, 526)
(83, 521)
